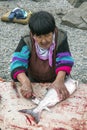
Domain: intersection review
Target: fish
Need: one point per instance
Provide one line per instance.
(37, 101)
(50, 99)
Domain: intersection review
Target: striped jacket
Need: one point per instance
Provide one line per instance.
(21, 56)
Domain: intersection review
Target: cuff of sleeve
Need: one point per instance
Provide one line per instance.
(67, 69)
(16, 73)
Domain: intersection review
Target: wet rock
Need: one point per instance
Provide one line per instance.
(77, 17)
(76, 3)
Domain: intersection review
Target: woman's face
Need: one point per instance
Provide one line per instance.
(45, 40)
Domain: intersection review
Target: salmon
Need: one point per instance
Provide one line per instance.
(50, 99)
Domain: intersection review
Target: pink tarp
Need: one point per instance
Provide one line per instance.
(70, 114)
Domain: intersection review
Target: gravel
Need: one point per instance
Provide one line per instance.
(10, 34)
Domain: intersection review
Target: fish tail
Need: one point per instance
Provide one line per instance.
(35, 115)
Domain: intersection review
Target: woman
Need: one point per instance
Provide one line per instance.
(42, 56)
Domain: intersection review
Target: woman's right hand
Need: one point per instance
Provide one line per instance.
(26, 89)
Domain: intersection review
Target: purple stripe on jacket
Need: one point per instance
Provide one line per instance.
(63, 54)
(16, 58)
(64, 62)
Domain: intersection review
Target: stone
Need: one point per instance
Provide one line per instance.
(77, 17)
(76, 3)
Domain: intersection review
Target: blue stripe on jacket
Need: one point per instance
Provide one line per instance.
(20, 59)
(66, 58)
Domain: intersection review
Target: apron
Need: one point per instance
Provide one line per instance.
(39, 70)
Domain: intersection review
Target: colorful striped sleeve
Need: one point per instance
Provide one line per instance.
(64, 60)
(19, 62)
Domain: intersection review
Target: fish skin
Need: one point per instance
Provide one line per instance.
(43, 104)
(50, 99)
(37, 101)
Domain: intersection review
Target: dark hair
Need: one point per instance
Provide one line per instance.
(41, 23)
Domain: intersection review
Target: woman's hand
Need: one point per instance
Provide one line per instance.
(61, 89)
(26, 89)
(59, 85)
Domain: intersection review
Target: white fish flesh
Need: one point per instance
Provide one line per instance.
(50, 99)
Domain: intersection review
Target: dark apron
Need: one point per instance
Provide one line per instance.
(39, 70)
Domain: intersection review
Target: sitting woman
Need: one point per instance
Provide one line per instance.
(43, 55)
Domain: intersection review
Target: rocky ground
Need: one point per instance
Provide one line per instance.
(11, 33)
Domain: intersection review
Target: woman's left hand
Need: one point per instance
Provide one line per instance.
(61, 89)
